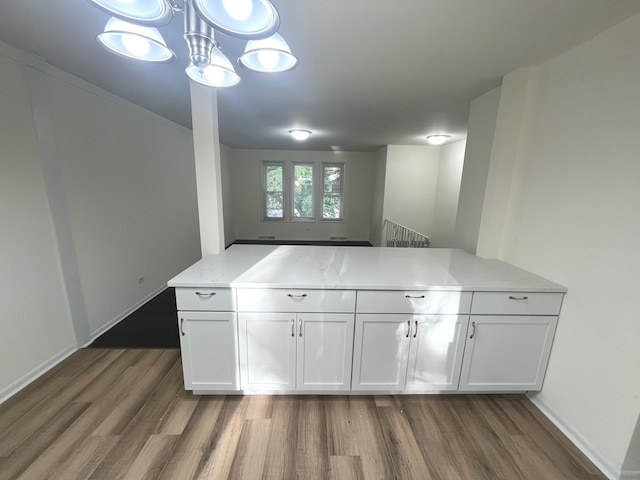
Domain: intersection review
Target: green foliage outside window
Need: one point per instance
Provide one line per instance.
(274, 194)
(332, 194)
(303, 191)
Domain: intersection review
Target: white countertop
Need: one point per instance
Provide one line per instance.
(361, 268)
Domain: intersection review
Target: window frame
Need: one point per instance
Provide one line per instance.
(292, 195)
(322, 192)
(265, 192)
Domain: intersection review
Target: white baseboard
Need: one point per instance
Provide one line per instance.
(47, 365)
(34, 374)
(583, 445)
(123, 315)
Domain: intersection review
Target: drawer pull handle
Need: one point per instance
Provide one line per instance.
(290, 295)
(300, 325)
(408, 328)
(511, 297)
(414, 296)
(181, 329)
(415, 334)
(473, 332)
(293, 328)
(205, 294)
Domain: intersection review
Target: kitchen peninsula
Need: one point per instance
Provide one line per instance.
(307, 319)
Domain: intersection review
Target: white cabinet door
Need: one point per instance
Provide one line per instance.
(381, 350)
(507, 353)
(325, 347)
(288, 351)
(435, 353)
(208, 343)
(267, 351)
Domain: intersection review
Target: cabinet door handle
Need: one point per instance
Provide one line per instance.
(408, 328)
(473, 332)
(205, 294)
(181, 329)
(511, 297)
(291, 295)
(414, 296)
(293, 327)
(415, 334)
(300, 326)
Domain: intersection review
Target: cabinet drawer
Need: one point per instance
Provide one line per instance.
(516, 303)
(295, 300)
(211, 299)
(413, 302)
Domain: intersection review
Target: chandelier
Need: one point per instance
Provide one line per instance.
(132, 33)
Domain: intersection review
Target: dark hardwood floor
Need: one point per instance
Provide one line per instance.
(123, 414)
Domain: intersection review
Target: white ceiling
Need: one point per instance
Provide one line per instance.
(371, 73)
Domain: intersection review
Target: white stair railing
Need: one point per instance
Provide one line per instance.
(396, 235)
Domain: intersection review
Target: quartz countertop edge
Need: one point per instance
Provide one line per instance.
(357, 268)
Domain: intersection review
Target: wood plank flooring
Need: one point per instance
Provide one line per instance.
(123, 414)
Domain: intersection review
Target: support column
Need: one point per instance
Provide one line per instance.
(206, 146)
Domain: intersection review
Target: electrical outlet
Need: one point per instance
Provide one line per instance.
(141, 280)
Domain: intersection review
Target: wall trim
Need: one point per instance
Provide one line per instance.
(13, 388)
(579, 441)
(118, 318)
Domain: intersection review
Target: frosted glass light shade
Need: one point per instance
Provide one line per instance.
(146, 12)
(219, 73)
(299, 134)
(438, 139)
(269, 55)
(134, 41)
(240, 18)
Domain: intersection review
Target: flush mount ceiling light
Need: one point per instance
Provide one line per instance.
(437, 139)
(300, 134)
(131, 34)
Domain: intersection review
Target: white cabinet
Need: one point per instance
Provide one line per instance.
(295, 339)
(208, 342)
(408, 352)
(295, 351)
(208, 332)
(509, 341)
(414, 340)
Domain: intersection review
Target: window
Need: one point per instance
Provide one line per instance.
(302, 191)
(332, 174)
(302, 188)
(273, 188)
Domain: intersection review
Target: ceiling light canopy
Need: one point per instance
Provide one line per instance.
(131, 34)
(437, 139)
(135, 41)
(300, 134)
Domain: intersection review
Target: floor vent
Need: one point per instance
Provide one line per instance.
(337, 238)
(267, 237)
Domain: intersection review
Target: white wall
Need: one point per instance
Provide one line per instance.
(572, 216)
(447, 193)
(411, 180)
(246, 196)
(482, 122)
(377, 214)
(34, 316)
(106, 195)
